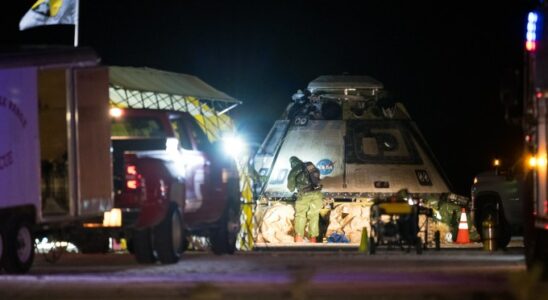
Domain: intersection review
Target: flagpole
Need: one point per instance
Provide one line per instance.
(76, 21)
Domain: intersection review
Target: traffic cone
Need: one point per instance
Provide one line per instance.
(364, 243)
(463, 236)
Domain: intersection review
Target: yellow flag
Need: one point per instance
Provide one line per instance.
(49, 12)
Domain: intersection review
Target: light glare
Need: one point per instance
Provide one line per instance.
(531, 36)
(532, 17)
(233, 146)
(116, 112)
(172, 145)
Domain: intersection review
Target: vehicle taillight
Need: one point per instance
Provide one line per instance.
(133, 178)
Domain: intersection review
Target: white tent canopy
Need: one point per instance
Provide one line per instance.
(153, 80)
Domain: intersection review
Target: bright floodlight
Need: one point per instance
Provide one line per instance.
(115, 112)
(172, 145)
(233, 146)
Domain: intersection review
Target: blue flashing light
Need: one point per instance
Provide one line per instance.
(532, 17)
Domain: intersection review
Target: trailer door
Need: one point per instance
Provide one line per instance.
(92, 144)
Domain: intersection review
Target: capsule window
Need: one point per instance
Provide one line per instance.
(387, 142)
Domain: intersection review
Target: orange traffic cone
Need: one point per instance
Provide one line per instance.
(463, 236)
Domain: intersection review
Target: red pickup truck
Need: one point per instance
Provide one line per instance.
(171, 181)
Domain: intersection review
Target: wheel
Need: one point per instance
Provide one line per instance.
(223, 238)
(503, 231)
(19, 247)
(372, 246)
(142, 246)
(53, 254)
(169, 236)
(502, 228)
(418, 245)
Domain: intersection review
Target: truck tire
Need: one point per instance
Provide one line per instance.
(142, 246)
(19, 247)
(502, 228)
(169, 236)
(223, 238)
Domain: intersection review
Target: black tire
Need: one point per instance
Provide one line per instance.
(504, 234)
(502, 228)
(169, 236)
(142, 246)
(19, 247)
(223, 238)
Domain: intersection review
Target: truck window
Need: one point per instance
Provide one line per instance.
(202, 143)
(143, 127)
(181, 134)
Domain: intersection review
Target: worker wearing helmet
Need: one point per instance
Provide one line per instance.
(309, 200)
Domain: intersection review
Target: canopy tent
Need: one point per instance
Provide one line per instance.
(150, 88)
(156, 89)
(159, 81)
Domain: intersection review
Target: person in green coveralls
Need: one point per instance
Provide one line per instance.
(309, 199)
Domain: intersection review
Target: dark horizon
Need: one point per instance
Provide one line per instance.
(445, 64)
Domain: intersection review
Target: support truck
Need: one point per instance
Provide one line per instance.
(71, 171)
(536, 136)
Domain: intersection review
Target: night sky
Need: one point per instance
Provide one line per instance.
(445, 61)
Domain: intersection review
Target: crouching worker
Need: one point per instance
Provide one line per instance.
(305, 177)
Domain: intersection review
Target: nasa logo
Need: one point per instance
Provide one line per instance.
(325, 166)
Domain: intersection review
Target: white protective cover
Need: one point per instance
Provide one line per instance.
(19, 146)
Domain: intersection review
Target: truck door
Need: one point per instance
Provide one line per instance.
(210, 184)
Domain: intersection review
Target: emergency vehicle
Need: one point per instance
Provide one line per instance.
(536, 137)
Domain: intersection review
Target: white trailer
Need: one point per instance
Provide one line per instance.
(55, 165)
